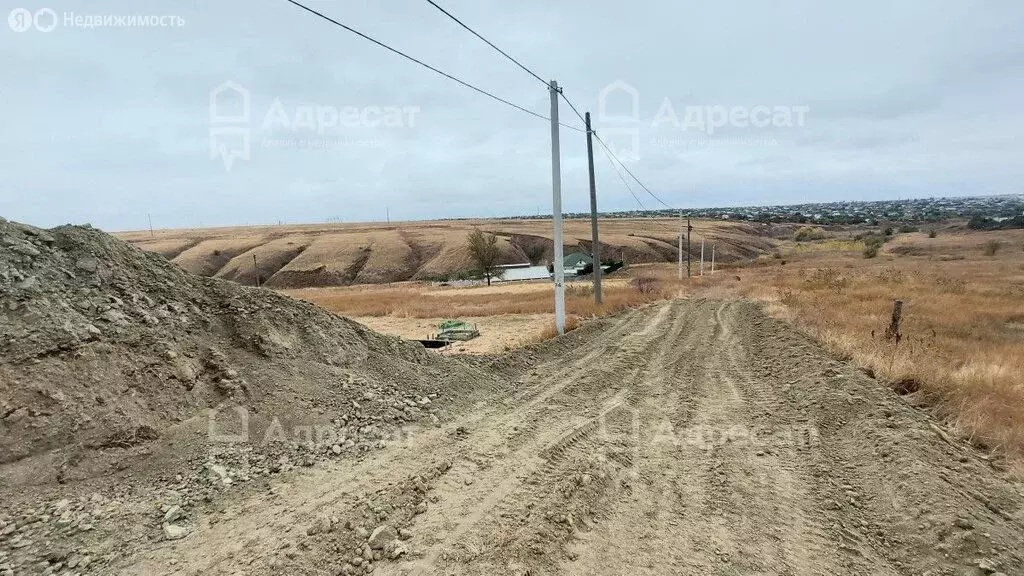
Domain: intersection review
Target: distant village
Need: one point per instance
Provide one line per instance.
(981, 208)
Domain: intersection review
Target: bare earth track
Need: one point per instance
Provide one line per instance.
(692, 437)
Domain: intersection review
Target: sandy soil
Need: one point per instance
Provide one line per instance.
(497, 333)
(691, 437)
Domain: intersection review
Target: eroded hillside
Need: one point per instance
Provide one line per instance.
(342, 254)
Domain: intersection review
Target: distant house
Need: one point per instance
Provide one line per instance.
(577, 260)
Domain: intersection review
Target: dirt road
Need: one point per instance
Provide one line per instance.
(694, 437)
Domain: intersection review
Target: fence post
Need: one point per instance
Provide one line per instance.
(893, 331)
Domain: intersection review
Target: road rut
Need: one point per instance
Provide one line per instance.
(691, 437)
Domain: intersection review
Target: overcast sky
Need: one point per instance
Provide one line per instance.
(108, 124)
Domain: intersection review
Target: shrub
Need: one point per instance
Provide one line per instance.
(932, 233)
(645, 284)
(808, 233)
(827, 278)
(579, 290)
(872, 243)
(991, 247)
(907, 228)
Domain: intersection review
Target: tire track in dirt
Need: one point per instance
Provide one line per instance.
(773, 478)
(561, 420)
(646, 532)
(893, 495)
(505, 439)
(693, 437)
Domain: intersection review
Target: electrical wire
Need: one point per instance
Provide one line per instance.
(569, 102)
(665, 227)
(630, 172)
(507, 55)
(624, 181)
(424, 64)
(612, 158)
(489, 43)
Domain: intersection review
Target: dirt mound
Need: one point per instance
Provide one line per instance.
(104, 345)
(125, 380)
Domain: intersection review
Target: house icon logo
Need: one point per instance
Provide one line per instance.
(230, 135)
(611, 91)
(618, 112)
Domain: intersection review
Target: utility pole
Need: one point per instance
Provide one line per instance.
(712, 259)
(680, 245)
(595, 248)
(701, 256)
(150, 216)
(556, 212)
(688, 230)
(256, 269)
(387, 214)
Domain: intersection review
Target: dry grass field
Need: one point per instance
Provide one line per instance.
(962, 346)
(962, 350)
(508, 315)
(299, 256)
(420, 300)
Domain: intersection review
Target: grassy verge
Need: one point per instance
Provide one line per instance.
(413, 300)
(962, 350)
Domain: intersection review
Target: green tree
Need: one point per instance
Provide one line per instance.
(483, 249)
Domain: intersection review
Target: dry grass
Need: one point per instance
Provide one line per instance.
(342, 254)
(963, 320)
(515, 302)
(414, 300)
(572, 322)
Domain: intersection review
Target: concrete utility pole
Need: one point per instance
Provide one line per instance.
(701, 256)
(680, 244)
(556, 212)
(595, 249)
(256, 269)
(712, 259)
(688, 230)
(150, 216)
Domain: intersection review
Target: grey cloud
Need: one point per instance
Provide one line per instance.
(913, 98)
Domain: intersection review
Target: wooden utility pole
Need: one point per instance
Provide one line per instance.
(688, 230)
(701, 256)
(595, 249)
(256, 269)
(556, 212)
(150, 217)
(893, 331)
(680, 244)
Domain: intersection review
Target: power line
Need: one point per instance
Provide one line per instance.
(623, 178)
(615, 161)
(506, 55)
(630, 172)
(655, 221)
(569, 102)
(425, 65)
(489, 43)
